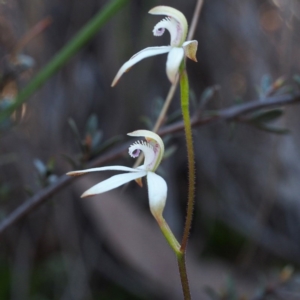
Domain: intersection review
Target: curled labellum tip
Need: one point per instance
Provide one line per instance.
(175, 23)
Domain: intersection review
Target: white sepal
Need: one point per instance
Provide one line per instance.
(113, 182)
(174, 60)
(108, 168)
(157, 192)
(147, 52)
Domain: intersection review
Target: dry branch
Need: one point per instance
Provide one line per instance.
(227, 114)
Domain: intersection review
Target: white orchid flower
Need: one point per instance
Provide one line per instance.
(176, 24)
(153, 149)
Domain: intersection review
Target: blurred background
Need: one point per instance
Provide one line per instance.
(245, 239)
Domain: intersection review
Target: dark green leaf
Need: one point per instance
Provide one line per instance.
(175, 116)
(96, 140)
(74, 128)
(108, 144)
(158, 105)
(6, 123)
(265, 85)
(207, 95)
(92, 124)
(266, 116)
(40, 166)
(50, 165)
(271, 128)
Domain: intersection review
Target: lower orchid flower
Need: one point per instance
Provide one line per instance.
(176, 24)
(153, 149)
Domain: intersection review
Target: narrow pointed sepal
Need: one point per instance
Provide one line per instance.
(190, 49)
(147, 52)
(139, 181)
(112, 183)
(108, 168)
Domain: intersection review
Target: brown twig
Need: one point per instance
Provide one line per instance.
(195, 19)
(40, 197)
(234, 112)
(227, 114)
(30, 35)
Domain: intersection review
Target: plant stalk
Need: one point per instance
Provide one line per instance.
(183, 276)
(184, 90)
(180, 255)
(168, 234)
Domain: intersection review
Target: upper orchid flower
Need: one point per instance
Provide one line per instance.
(176, 24)
(153, 149)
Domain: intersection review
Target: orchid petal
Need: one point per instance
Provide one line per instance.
(112, 183)
(190, 49)
(108, 168)
(147, 52)
(157, 192)
(174, 60)
(178, 16)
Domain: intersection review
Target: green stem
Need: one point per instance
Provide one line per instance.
(168, 234)
(61, 58)
(184, 89)
(172, 241)
(183, 276)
